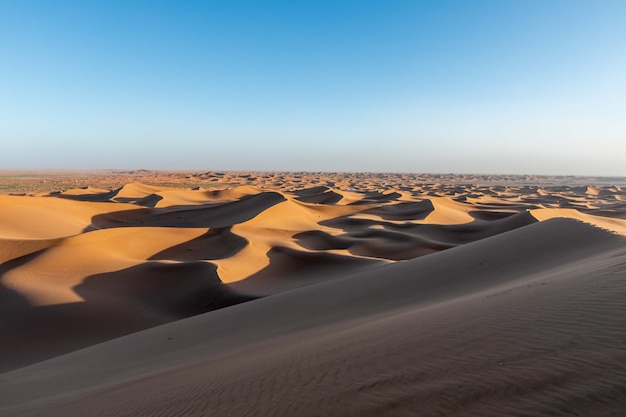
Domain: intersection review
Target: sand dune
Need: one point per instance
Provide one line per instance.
(310, 294)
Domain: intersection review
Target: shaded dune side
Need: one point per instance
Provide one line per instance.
(16, 248)
(261, 242)
(221, 214)
(47, 276)
(115, 304)
(403, 211)
(216, 243)
(407, 240)
(49, 217)
(152, 196)
(290, 268)
(319, 195)
(88, 194)
(176, 290)
(71, 292)
(106, 283)
(475, 330)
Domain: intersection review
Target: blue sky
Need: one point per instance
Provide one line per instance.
(513, 87)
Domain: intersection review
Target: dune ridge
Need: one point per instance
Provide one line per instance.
(305, 294)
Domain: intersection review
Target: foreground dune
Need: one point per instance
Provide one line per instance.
(309, 299)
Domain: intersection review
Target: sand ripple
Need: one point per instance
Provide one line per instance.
(311, 294)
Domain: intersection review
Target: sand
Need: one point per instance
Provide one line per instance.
(312, 294)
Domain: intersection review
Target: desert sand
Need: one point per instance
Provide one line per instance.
(144, 293)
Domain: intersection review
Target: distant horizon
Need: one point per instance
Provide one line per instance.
(509, 88)
(266, 171)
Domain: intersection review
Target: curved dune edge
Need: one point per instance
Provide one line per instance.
(85, 266)
(49, 217)
(617, 226)
(491, 324)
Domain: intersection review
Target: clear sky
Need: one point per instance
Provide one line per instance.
(513, 87)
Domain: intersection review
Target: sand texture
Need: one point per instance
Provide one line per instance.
(143, 293)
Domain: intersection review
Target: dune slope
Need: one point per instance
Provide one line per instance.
(314, 294)
(475, 330)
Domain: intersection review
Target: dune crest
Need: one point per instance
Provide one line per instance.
(508, 285)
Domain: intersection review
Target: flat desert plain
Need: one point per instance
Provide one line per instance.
(142, 293)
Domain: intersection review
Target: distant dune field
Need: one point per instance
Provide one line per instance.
(142, 293)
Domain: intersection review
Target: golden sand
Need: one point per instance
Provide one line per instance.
(226, 294)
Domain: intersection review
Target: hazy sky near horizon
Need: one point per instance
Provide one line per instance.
(502, 86)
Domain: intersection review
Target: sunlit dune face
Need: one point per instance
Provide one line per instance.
(306, 258)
